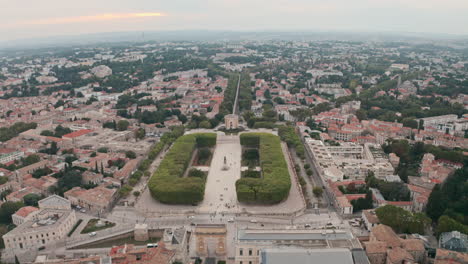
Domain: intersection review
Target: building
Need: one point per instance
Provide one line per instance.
(46, 227)
(55, 202)
(97, 200)
(370, 219)
(353, 161)
(251, 244)
(24, 214)
(454, 241)
(444, 256)
(7, 155)
(89, 177)
(293, 255)
(386, 247)
(129, 254)
(231, 121)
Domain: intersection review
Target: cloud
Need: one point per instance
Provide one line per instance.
(94, 18)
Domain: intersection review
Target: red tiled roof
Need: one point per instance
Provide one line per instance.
(25, 211)
(77, 133)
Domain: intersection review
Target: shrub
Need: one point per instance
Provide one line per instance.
(136, 193)
(132, 181)
(196, 173)
(125, 190)
(103, 150)
(251, 174)
(130, 154)
(306, 166)
(167, 185)
(318, 191)
(275, 185)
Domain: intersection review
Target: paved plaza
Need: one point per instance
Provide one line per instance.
(220, 191)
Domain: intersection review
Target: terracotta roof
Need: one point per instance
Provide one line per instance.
(371, 216)
(386, 234)
(412, 244)
(398, 255)
(25, 211)
(444, 256)
(77, 133)
(375, 247)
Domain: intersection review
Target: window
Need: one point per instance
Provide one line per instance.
(250, 252)
(241, 252)
(21, 245)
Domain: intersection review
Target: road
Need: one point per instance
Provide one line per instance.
(235, 107)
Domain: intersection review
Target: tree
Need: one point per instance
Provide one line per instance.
(402, 221)
(53, 148)
(122, 125)
(436, 204)
(8, 209)
(409, 122)
(203, 154)
(70, 179)
(140, 133)
(267, 94)
(125, 190)
(31, 199)
(361, 114)
(205, 124)
(130, 154)
(363, 203)
(182, 118)
(309, 172)
(102, 150)
(318, 191)
(447, 224)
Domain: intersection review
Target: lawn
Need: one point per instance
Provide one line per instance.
(91, 226)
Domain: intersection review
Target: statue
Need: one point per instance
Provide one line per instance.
(225, 166)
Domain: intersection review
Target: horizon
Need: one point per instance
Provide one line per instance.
(52, 18)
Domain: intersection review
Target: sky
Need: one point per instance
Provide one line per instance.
(42, 18)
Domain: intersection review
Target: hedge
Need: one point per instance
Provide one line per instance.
(275, 184)
(167, 185)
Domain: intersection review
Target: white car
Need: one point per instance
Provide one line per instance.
(191, 217)
(253, 221)
(92, 234)
(231, 220)
(83, 210)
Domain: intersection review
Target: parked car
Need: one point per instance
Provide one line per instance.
(253, 221)
(152, 245)
(231, 220)
(83, 210)
(92, 234)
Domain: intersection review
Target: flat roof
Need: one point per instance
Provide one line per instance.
(304, 256)
(268, 235)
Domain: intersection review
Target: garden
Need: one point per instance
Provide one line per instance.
(168, 184)
(274, 184)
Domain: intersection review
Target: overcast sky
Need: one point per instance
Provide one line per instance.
(42, 18)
